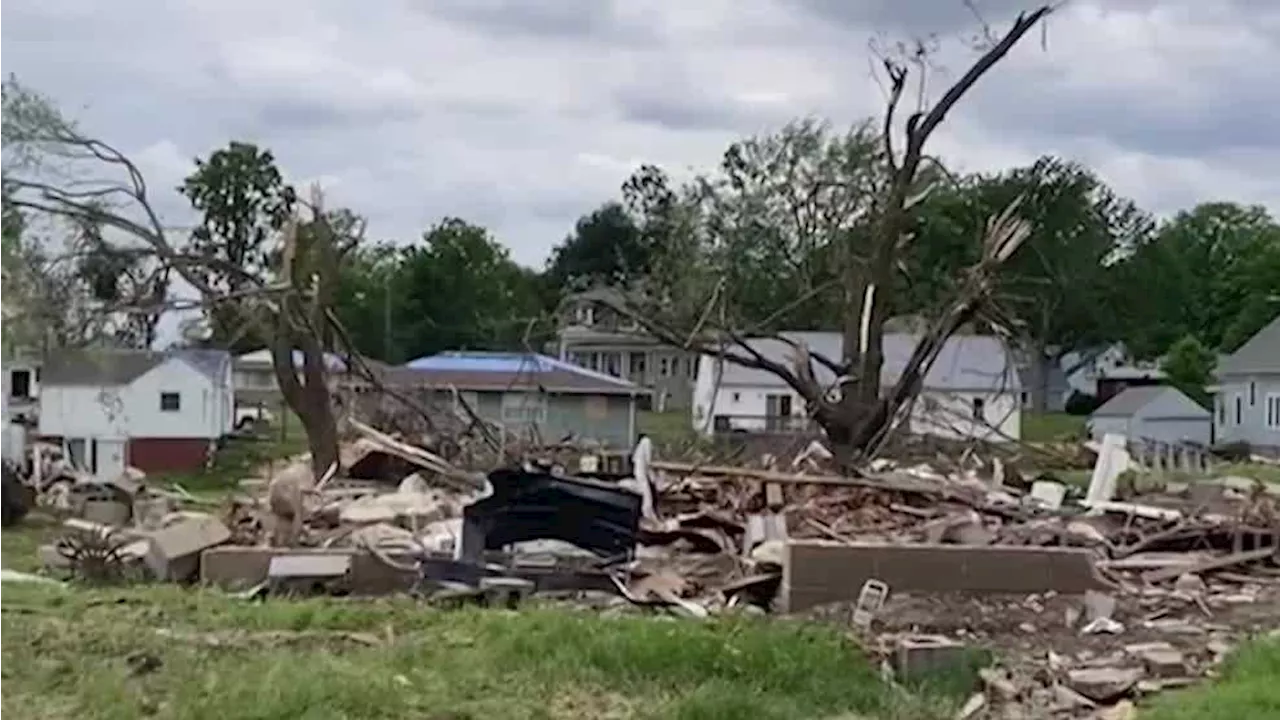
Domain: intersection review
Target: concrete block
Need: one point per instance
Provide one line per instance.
(333, 565)
(818, 572)
(175, 550)
(308, 574)
(920, 656)
(106, 512)
(235, 567)
(1159, 659)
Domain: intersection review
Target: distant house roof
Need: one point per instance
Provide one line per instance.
(967, 362)
(498, 371)
(1130, 401)
(333, 362)
(1134, 400)
(1261, 354)
(121, 367)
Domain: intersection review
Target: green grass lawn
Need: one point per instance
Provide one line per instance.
(170, 652)
(1051, 427)
(165, 651)
(240, 457)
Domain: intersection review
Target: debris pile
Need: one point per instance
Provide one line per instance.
(1133, 589)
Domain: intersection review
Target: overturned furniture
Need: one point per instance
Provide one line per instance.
(532, 504)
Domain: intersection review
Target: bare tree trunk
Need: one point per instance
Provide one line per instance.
(309, 399)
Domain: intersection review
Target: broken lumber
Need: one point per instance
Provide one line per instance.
(1217, 563)
(421, 458)
(816, 572)
(897, 483)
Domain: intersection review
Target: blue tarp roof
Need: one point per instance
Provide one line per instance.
(504, 362)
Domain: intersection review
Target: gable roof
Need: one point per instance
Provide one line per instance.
(1153, 402)
(1130, 400)
(967, 362)
(1261, 354)
(497, 371)
(213, 363)
(332, 361)
(109, 367)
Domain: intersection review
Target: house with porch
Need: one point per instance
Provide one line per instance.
(594, 337)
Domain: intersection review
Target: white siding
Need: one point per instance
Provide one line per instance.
(133, 411)
(939, 413)
(1252, 427)
(83, 411)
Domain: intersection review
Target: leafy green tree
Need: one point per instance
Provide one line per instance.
(1057, 293)
(1211, 272)
(460, 289)
(1189, 367)
(606, 248)
(367, 302)
(243, 202)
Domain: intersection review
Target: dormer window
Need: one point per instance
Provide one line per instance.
(585, 314)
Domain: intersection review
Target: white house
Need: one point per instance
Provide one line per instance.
(1153, 412)
(972, 390)
(156, 411)
(1247, 407)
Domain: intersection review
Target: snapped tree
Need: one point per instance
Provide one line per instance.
(856, 202)
(287, 300)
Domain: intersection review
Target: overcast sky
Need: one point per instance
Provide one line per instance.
(522, 115)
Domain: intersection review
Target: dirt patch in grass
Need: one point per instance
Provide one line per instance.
(163, 651)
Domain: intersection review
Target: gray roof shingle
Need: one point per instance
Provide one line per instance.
(1130, 401)
(1261, 354)
(121, 367)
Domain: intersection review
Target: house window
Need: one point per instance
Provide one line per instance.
(1273, 411)
(585, 315)
(523, 408)
(979, 409)
(1253, 393)
(690, 369)
(1239, 409)
(664, 366)
(170, 402)
(20, 384)
(1222, 410)
(612, 364)
(637, 363)
(737, 397)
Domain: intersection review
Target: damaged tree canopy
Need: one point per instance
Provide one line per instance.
(270, 271)
(833, 215)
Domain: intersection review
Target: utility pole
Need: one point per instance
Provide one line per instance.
(386, 322)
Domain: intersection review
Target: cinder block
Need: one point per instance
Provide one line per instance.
(920, 656)
(175, 551)
(817, 572)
